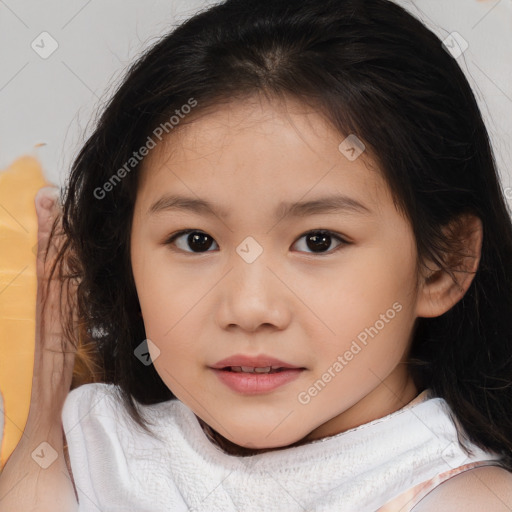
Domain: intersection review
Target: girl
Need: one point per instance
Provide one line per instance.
(292, 264)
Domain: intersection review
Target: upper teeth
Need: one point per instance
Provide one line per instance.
(250, 369)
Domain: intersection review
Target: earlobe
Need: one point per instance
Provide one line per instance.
(439, 291)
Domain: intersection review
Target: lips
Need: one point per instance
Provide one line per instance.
(261, 361)
(252, 375)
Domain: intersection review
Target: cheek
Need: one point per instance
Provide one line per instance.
(166, 313)
(166, 293)
(368, 308)
(171, 325)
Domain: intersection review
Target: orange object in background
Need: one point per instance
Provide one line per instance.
(18, 289)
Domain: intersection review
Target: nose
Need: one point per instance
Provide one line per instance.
(253, 296)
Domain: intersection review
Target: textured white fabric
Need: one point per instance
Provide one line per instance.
(118, 467)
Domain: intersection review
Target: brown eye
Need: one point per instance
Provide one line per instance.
(320, 241)
(195, 241)
(191, 241)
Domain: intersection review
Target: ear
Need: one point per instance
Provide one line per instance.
(438, 291)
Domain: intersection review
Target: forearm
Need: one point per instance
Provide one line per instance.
(36, 477)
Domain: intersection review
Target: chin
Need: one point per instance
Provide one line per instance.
(244, 440)
(262, 441)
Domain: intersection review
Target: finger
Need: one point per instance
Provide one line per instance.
(54, 354)
(48, 293)
(46, 202)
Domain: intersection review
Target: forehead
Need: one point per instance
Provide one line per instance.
(243, 145)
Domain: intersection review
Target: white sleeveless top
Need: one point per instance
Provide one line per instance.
(385, 465)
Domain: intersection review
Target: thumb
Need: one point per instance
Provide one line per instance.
(45, 199)
(45, 203)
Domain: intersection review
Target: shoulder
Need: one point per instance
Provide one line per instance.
(91, 405)
(91, 392)
(89, 399)
(93, 388)
(483, 488)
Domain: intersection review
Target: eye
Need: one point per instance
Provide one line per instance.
(320, 240)
(197, 240)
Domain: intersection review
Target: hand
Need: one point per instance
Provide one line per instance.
(54, 355)
(24, 485)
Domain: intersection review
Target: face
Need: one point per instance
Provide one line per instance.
(323, 291)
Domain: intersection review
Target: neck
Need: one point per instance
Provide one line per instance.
(390, 402)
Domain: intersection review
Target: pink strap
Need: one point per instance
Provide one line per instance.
(407, 500)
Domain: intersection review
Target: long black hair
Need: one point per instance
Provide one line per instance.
(371, 69)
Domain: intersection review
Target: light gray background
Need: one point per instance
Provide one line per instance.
(53, 100)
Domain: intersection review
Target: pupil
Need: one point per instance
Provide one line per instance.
(199, 242)
(319, 241)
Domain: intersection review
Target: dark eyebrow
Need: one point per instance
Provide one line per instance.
(321, 205)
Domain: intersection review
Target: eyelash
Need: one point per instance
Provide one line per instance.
(343, 242)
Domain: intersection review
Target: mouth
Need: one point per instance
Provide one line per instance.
(252, 375)
(253, 364)
(251, 380)
(259, 370)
